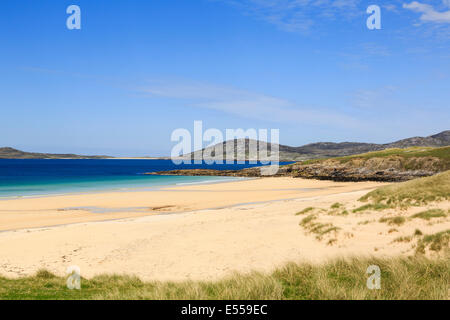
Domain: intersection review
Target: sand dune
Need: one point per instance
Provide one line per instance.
(214, 229)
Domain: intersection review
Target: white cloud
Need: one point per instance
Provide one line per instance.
(429, 14)
(246, 104)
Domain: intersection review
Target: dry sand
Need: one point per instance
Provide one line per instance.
(195, 232)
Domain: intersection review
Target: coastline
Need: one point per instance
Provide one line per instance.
(74, 208)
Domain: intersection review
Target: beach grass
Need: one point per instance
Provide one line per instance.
(430, 214)
(372, 206)
(439, 241)
(412, 193)
(304, 211)
(393, 220)
(401, 278)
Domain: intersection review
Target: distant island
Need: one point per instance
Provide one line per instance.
(11, 153)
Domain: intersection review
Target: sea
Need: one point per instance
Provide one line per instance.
(40, 177)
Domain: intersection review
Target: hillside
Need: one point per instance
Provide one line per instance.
(325, 149)
(438, 140)
(10, 153)
(386, 165)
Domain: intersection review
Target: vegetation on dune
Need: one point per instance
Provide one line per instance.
(337, 209)
(336, 205)
(310, 224)
(401, 278)
(430, 214)
(393, 220)
(436, 242)
(403, 239)
(304, 211)
(412, 193)
(370, 206)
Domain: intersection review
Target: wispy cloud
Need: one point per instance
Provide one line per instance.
(375, 49)
(390, 7)
(246, 104)
(297, 15)
(429, 13)
(373, 98)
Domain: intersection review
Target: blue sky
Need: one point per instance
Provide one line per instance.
(138, 69)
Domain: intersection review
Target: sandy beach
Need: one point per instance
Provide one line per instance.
(196, 231)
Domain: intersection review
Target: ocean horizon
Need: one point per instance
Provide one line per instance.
(42, 177)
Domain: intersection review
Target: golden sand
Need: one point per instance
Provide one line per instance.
(193, 232)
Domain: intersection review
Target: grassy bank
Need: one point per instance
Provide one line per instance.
(442, 153)
(413, 152)
(414, 192)
(401, 278)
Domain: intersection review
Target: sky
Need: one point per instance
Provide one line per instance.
(137, 70)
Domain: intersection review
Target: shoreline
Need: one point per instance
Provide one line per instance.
(231, 206)
(70, 208)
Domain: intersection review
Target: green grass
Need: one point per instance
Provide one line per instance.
(412, 193)
(304, 211)
(336, 205)
(412, 152)
(372, 206)
(442, 153)
(323, 228)
(403, 239)
(317, 228)
(430, 214)
(308, 219)
(337, 209)
(393, 220)
(435, 242)
(401, 278)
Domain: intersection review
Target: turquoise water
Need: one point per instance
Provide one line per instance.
(32, 177)
(102, 184)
